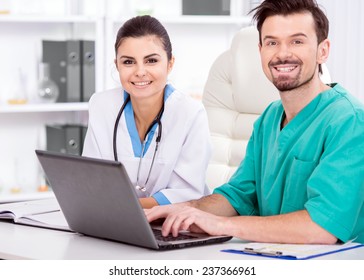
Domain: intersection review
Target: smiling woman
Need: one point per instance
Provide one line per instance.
(154, 130)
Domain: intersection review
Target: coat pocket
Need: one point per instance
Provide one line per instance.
(295, 192)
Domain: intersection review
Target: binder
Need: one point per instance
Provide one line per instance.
(53, 53)
(63, 58)
(292, 251)
(73, 71)
(87, 69)
(65, 138)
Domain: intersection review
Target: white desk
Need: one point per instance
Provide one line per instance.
(25, 242)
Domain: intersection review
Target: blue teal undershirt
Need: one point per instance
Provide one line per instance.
(161, 198)
(131, 125)
(135, 140)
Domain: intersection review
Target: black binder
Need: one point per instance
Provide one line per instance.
(87, 69)
(64, 61)
(73, 71)
(66, 139)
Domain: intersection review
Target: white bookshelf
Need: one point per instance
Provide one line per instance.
(47, 19)
(15, 197)
(197, 20)
(44, 108)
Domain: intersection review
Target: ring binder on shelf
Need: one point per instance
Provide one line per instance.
(87, 69)
(63, 58)
(72, 68)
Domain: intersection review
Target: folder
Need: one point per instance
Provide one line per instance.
(292, 251)
(73, 71)
(64, 62)
(87, 69)
(65, 138)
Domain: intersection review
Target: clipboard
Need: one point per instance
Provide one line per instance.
(292, 251)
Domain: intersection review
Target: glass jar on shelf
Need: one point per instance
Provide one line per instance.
(5, 7)
(47, 90)
(18, 94)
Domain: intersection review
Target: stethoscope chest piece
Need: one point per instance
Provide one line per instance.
(142, 189)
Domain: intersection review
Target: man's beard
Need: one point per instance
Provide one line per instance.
(283, 83)
(289, 84)
(286, 84)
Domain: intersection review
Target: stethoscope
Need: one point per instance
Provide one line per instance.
(157, 141)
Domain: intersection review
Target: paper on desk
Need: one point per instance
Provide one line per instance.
(292, 251)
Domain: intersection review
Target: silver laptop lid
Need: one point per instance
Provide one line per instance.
(97, 198)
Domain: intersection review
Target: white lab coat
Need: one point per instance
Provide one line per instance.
(179, 169)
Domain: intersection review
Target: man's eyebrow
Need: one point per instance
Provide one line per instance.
(299, 35)
(271, 37)
(127, 57)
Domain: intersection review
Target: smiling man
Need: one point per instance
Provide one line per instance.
(301, 180)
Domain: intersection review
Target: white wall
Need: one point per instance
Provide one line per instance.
(346, 60)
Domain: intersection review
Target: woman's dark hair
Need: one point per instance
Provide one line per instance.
(141, 26)
(288, 7)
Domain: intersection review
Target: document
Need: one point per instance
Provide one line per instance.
(42, 213)
(292, 251)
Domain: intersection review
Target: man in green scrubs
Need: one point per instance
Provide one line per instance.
(302, 179)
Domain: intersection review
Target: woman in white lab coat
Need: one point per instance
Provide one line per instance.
(159, 134)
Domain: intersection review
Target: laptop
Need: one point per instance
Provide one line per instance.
(98, 199)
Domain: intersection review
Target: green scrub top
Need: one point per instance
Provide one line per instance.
(316, 162)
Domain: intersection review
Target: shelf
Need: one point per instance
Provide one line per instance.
(207, 20)
(37, 108)
(235, 20)
(25, 196)
(47, 19)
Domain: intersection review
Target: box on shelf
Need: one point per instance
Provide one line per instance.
(206, 7)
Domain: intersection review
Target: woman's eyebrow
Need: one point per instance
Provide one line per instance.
(150, 55)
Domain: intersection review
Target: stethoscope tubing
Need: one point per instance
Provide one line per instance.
(158, 139)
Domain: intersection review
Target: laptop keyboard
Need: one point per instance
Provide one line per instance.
(158, 235)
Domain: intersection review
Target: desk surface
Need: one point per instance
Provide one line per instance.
(26, 242)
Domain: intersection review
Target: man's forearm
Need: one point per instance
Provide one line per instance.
(215, 204)
(295, 227)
